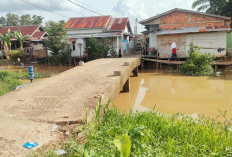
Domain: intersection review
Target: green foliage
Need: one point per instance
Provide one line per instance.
(197, 64)
(18, 35)
(113, 53)
(57, 42)
(14, 20)
(14, 55)
(219, 7)
(123, 143)
(97, 50)
(151, 134)
(10, 80)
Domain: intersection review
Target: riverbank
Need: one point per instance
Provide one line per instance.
(147, 134)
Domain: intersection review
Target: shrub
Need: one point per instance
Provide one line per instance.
(14, 55)
(96, 50)
(197, 64)
(113, 53)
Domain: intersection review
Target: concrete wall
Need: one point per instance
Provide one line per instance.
(77, 52)
(153, 40)
(209, 42)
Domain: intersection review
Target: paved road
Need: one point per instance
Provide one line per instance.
(28, 114)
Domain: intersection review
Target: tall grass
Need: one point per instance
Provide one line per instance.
(152, 134)
(10, 80)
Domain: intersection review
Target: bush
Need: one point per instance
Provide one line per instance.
(14, 55)
(197, 64)
(113, 53)
(96, 50)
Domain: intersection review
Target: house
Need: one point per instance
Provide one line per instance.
(116, 30)
(184, 27)
(33, 45)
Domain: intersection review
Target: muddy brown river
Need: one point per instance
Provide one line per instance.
(171, 92)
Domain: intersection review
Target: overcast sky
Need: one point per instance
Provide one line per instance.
(140, 9)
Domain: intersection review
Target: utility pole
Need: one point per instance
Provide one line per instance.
(135, 42)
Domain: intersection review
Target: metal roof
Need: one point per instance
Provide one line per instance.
(182, 10)
(117, 24)
(87, 22)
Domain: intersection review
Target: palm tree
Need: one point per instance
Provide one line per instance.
(201, 4)
(211, 6)
(21, 38)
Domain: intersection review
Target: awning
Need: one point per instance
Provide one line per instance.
(72, 39)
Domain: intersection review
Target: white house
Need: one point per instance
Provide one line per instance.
(117, 30)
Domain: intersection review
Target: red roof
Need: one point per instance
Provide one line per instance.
(117, 24)
(33, 30)
(88, 22)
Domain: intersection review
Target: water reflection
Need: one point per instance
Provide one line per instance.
(174, 93)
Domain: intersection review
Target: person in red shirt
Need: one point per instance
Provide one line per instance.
(173, 48)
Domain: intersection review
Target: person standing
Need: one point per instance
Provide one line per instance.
(173, 48)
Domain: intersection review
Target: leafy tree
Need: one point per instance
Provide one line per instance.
(56, 41)
(25, 19)
(18, 35)
(7, 42)
(2, 21)
(219, 7)
(12, 19)
(37, 20)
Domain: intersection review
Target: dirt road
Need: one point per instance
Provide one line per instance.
(28, 114)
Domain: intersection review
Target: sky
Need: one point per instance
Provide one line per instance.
(64, 9)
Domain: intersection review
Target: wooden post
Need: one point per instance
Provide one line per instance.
(135, 72)
(126, 87)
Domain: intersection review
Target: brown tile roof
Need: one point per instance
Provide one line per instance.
(88, 22)
(32, 30)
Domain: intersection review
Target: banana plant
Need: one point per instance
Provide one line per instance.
(7, 38)
(1, 41)
(18, 35)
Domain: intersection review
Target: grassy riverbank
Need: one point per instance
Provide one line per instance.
(9, 80)
(150, 134)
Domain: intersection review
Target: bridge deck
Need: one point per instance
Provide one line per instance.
(59, 99)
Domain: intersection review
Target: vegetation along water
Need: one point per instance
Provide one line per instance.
(113, 133)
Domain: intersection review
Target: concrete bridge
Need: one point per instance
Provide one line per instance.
(29, 114)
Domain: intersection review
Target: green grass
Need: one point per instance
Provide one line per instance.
(9, 80)
(151, 134)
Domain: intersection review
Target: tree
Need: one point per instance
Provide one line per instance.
(56, 41)
(7, 42)
(37, 20)
(21, 38)
(2, 21)
(12, 19)
(219, 7)
(25, 19)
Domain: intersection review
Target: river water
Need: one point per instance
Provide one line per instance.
(170, 92)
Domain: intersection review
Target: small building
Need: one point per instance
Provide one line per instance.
(183, 27)
(34, 45)
(116, 30)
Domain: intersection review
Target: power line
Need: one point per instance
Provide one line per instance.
(84, 7)
(35, 4)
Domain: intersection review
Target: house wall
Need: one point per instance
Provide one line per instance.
(75, 33)
(153, 40)
(209, 42)
(164, 45)
(178, 20)
(77, 52)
